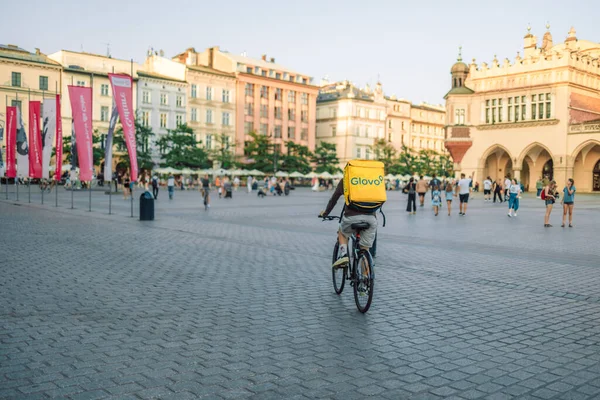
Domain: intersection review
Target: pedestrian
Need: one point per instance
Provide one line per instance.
(114, 178)
(463, 189)
(411, 189)
(549, 198)
(487, 189)
(171, 186)
(421, 190)
(249, 184)
(498, 190)
(126, 186)
(513, 201)
(433, 183)
(568, 201)
(449, 192)
(155, 186)
(539, 185)
(436, 199)
(507, 183)
(218, 185)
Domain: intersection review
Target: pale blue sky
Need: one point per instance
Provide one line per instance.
(410, 44)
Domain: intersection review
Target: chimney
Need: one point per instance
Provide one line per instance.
(272, 60)
(211, 56)
(161, 52)
(264, 57)
(37, 51)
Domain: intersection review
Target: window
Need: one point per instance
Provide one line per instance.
(248, 127)
(291, 114)
(249, 70)
(367, 131)
(146, 97)
(179, 101)
(493, 111)
(304, 98)
(358, 152)
(104, 113)
(163, 120)
(277, 112)
(145, 118)
(194, 93)
(548, 112)
(209, 116)
(333, 130)
(304, 115)
(264, 129)
(16, 103)
(16, 79)
(249, 109)
(264, 73)
(459, 116)
(264, 92)
(179, 119)
(278, 75)
(163, 99)
(333, 112)
(225, 119)
(368, 153)
(225, 96)
(540, 102)
(304, 134)
(44, 84)
(291, 97)
(103, 88)
(208, 93)
(194, 114)
(291, 132)
(249, 90)
(209, 142)
(390, 124)
(264, 111)
(277, 131)
(80, 83)
(278, 94)
(402, 125)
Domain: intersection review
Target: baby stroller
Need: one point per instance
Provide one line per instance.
(228, 190)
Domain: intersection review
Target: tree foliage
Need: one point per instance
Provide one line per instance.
(411, 162)
(297, 158)
(143, 135)
(224, 152)
(260, 152)
(325, 158)
(181, 150)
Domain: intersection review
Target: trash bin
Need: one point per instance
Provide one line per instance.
(146, 207)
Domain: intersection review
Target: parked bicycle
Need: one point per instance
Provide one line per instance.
(360, 270)
(46, 185)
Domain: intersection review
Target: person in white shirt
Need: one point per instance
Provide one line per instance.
(507, 183)
(513, 201)
(171, 186)
(487, 189)
(463, 189)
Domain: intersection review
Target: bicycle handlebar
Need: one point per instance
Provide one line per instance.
(328, 218)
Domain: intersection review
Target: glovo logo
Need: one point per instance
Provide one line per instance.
(366, 182)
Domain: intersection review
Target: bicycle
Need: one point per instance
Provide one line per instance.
(205, 193)
(360, 271)
(46, 186)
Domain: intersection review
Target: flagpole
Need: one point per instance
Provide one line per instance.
(29, 108)
(92, 117)
(56, 152)
(133, 178)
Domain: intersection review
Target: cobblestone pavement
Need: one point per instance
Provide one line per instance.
(237, 302)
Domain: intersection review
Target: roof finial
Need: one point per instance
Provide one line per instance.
(459, 59)
(528, 27)
(547, 25)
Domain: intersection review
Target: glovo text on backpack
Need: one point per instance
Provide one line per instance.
(364, 188)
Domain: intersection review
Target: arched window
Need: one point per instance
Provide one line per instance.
(596, 177)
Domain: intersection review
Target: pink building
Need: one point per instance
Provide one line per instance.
(270, 99)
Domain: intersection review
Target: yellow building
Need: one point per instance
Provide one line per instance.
(25, 76)
(536, 115)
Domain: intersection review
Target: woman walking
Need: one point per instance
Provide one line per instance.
(549, 199)
(126, 186)
(498, 190)
(449, 195)
(568, 202)
(411, 189)
(436, 199)
(514, 192)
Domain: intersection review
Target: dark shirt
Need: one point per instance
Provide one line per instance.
(337, 193)
(205, 182)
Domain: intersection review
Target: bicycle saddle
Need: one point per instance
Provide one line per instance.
(359, 226)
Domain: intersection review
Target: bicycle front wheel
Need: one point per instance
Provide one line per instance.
(364, 281)
(338, 274)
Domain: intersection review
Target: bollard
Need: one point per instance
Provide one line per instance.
(29, 188)
(90, 190)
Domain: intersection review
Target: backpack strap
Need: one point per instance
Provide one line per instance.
(381, 211)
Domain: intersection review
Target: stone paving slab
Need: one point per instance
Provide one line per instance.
(237, 302)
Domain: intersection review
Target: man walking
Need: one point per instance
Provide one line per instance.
(171, 186)
(487, 189)
(421, 190)
(433, 183)
(155, 186)
(507, 183)
(463, 189)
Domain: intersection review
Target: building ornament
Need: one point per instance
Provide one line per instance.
(585, 128)
(524, 124)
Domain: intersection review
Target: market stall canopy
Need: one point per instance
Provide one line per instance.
(256, 172)
(325, 175)
(311, 175)
(296, 174)
(281, 174)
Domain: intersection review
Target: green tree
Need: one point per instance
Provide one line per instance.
(224, 153)
(325, 157)
(260, 151)
(406, 162)
(181, 150)
(143, 135)
(297, 158)
(97, 150)
(386, 153)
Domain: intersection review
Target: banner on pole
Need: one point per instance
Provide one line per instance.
(109, 143)
(59, 140)
(81, 105)
(11, 141)
(49, 118)
(122, 87)
(22, 148)
(35, 141)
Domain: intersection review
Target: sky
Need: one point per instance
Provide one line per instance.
(409, 46)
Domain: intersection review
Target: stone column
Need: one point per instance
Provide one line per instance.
(517, 174)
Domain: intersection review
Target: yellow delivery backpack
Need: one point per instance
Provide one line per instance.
(364, 188)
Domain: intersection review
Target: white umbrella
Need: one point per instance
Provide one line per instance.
(187, 171)
(256, 172)
(311, 175)
(338, 175)
(220, 171)
(281, 174)
(325, 175)
(389, 177)
(296, 174)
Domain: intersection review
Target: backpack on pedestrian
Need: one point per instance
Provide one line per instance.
(364, 189)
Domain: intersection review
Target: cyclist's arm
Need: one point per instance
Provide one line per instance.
(339, 190)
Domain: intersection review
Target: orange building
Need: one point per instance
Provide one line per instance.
(270, 99)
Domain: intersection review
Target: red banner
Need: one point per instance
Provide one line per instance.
(81, 105)
(122, 87)
(59, 141)
(35, 141)
(11, 142)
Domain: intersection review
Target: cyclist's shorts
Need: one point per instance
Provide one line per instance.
(367, 236)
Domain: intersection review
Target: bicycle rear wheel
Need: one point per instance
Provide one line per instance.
(338, 274)
(364, 281)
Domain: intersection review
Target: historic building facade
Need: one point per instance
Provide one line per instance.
(538, 115)
(268, 99)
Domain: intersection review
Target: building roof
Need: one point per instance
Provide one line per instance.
(144, 74)
(260, 63)
(208, 70)
(17, 53)
(459, 90)
(342, 90)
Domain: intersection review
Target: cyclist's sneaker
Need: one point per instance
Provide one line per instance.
(341, 261)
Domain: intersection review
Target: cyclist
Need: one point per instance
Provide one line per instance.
(349, 217)
(205, 182)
